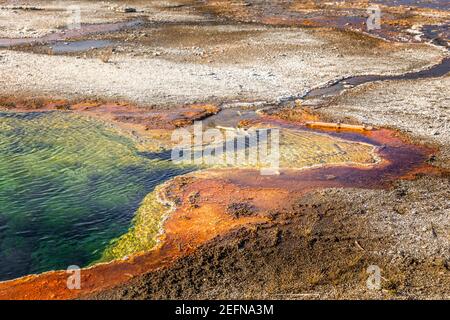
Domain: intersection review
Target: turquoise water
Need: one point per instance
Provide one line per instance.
(68, 186)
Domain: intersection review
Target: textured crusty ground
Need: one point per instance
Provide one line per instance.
(277, 63)
(194, 58)
(322, 248)
(35, 18)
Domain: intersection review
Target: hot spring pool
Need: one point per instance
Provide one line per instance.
(69, 185)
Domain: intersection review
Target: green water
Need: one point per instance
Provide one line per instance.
(68, 186)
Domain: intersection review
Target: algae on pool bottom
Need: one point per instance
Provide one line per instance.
(262, 147)
(142, 236)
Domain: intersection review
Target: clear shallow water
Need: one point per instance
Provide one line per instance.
(68, 186)
(77, 46)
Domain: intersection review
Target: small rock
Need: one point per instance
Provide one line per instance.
(129, 10)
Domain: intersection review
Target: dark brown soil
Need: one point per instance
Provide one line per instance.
(321, 248)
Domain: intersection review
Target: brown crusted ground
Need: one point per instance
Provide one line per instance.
(318, 248)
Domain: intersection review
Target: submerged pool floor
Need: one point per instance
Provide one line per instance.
(68, 186)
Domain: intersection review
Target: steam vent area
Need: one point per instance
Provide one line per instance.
(224, 149)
